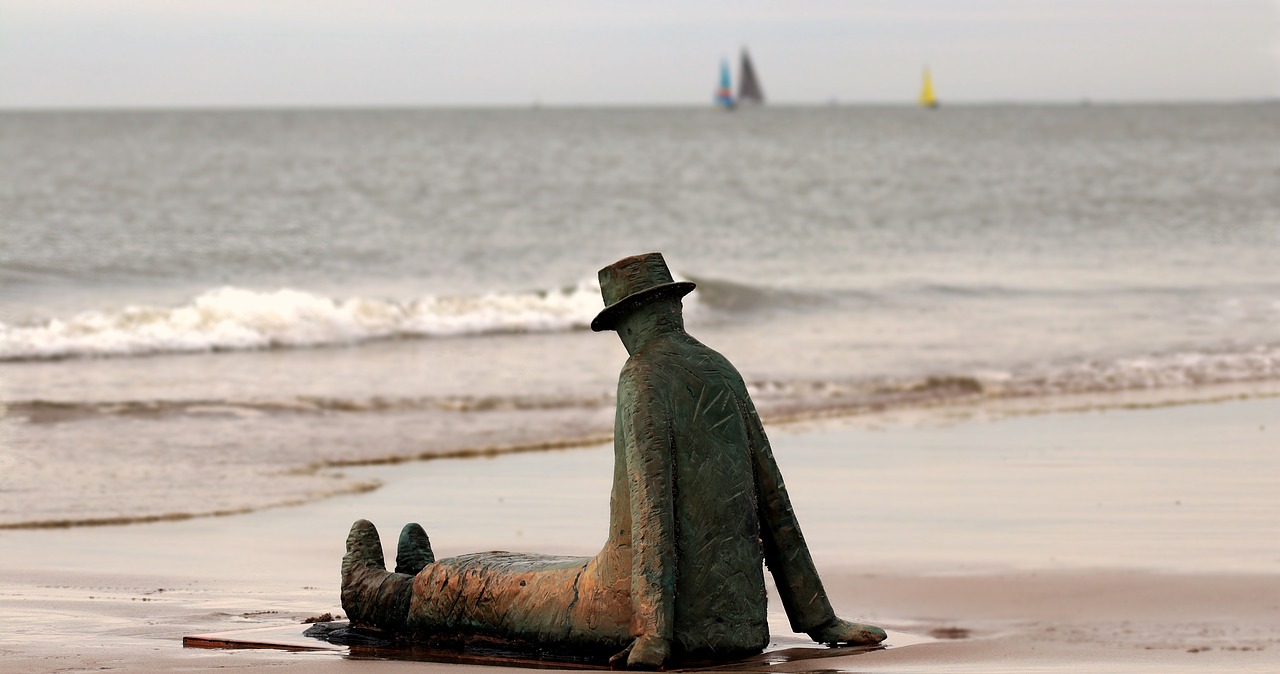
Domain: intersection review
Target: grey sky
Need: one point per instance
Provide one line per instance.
(75, 53)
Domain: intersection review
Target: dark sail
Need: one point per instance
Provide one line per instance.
(749, 91)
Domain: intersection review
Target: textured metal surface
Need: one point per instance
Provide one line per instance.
(698, 508)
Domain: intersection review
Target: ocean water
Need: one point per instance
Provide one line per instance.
(215, 312)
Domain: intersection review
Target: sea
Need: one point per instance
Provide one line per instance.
(214, 312)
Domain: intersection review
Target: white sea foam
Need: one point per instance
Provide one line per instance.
(239, 319)
(1177, 370)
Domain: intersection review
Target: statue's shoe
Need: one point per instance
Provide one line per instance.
(414, 550)
(841, 631)
(371, 595)
(364, 548)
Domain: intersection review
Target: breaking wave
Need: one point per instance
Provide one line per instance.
(232, 319)
(240, 319)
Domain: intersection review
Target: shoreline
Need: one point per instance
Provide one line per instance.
(907, 413)
(985, 528)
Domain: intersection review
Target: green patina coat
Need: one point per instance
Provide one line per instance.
(698, 504)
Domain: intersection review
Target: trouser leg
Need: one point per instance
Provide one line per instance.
(371, 595)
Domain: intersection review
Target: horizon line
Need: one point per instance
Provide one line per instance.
(539, 105)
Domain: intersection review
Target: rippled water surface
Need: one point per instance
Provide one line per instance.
(214, 311)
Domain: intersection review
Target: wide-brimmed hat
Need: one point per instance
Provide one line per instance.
(630, 282)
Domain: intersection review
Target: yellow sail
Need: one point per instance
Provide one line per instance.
(927, 97)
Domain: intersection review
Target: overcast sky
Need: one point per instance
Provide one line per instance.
(124, 53)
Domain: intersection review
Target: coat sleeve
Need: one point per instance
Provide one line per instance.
(646, 432)
(785, 551)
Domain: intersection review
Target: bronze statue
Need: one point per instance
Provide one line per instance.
(698, 507)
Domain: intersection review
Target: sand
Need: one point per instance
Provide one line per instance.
(1125, 540)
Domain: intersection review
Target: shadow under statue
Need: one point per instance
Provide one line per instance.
(697, 508)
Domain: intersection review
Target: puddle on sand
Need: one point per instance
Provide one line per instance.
(781, 650)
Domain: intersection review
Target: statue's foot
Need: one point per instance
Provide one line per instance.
(371, 595)
(414, 551)
(841, 631)
(364, 550)
(364, 556)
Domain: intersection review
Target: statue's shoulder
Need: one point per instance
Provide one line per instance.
(712, 360)
(660, 358)
(679, 353)
(639, 370)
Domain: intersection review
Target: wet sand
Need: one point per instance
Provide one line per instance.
(1126, 540)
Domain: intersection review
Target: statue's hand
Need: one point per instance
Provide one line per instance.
(841, 631)
(645, 652)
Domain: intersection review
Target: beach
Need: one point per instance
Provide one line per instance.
(1126, 540)
(1020, 364)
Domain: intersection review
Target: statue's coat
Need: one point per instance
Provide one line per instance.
(697, 505)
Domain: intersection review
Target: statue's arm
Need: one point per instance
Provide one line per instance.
(788, 557)
(646, 432)
(785, 550)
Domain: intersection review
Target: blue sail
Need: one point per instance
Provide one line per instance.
(724, 93)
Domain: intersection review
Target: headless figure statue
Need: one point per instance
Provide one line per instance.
(697, 509)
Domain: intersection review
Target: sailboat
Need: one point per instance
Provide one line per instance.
(724, 92)
(927, 98)
(749, 91)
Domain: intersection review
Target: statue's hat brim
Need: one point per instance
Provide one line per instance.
(608, 318)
